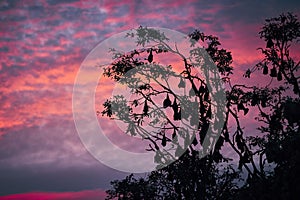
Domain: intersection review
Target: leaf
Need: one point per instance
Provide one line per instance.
(246, 110)
(247, 73)
(254, 100)
(167, 102)
(150, 57)
(146, 108)
(191, 92)
(201, 89)
(265, 69)
(177, 115)
(175, 106)
(263, 102)
(131, 129)
(245, 158)
(164, 141)
(174, 134)
(279, 76)
(270, 43)
(273, 72)
(181, 83)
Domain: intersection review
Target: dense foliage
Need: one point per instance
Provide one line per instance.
(269, 160)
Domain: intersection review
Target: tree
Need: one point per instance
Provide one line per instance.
(191, 177)
(280, 143)
(187, 178)
(193, 109)
(280, 33)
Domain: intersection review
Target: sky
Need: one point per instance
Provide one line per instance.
(42, 45)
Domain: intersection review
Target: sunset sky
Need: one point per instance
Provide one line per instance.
(43, 43)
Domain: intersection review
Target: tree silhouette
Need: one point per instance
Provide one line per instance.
(211, 176)
(279, 34)
(279, 110)
(188, 178)
(194, 109)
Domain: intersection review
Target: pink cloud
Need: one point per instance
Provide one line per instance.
(45, 52)
(80, 195)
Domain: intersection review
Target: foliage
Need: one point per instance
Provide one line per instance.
(188, 178)
(270, 159)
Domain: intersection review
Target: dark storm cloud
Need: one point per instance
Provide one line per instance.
(37, 11)
(249, 11)
(93, 15)
(4, 49)
(52, 22)
(52, 42)
(7, 39)
(27, 179)
(35, 159)
(28, 51)
(54, 2)
(8, 4)
(121, 11)
(13, 18)
(219, 14)
(71, 13)
(16, 59)
(12, 70)
(28, 36)
(49, 60)
(36, 146)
